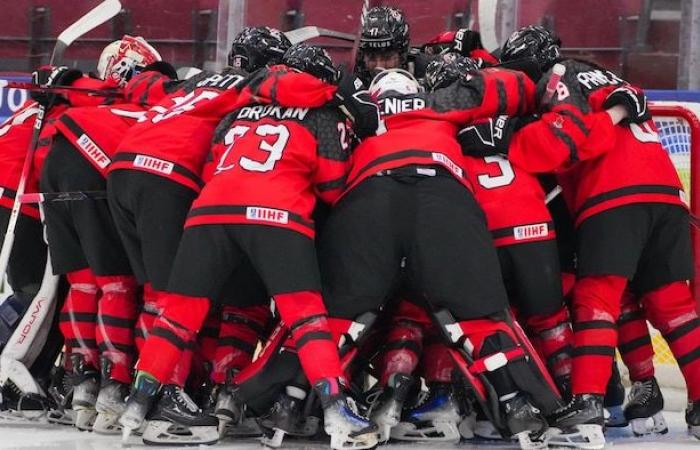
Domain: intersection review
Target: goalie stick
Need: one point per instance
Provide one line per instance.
(19, 353)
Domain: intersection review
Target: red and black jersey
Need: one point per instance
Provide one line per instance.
(174, 137)
(599, 165)
(97, 130)
(271, 162)
(421, 129)
(512, 199)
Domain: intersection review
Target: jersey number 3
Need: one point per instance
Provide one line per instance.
(504, 179)
(274, 150)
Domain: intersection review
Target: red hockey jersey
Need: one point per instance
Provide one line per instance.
(273, 161)
(422, 128)
(512, 199)
(599, 165)
(96, 131)
(174, 138)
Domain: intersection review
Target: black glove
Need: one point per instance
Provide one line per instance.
(492, 136)
(163, 67)
(353, 99)
(465, 41)
(50, 76)
(633, 100)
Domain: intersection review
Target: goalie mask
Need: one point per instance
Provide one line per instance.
(313, 60)
(448, 69)
(257, 47)
(532, 42)
(393, 83)
(125, 58)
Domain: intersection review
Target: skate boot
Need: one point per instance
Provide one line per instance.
(140, 400)
(61, 393)
(111, 402)
(85, 388)
(286, 417)
(435, 419)
(342, 421)
(692, 418)
(484, 428)
(387, 413)
(177, 420)
(525, 422)
(614, 398)
(228, 408)
(646, 404)
(579, 424)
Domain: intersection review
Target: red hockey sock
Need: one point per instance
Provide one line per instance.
(172, 333)
(149, 313)
(241, 329)
(671, 310)
(183, 367)
(436, 362)
(116, 318)
(204, 354)
(555, 340)
(78, 318)
(307, 319)
(404, 342)
(633, 339)
(596, 306)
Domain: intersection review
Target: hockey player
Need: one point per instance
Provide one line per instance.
(259, 203)
(384, 42)
(166, 153)
(408, 196)
(100, 309)
(625, 195)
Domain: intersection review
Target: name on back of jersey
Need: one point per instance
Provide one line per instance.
(596, 78)
(219, 81)
(276, 112)
(395, 105)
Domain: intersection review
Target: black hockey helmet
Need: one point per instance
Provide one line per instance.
(383, 29)
(535, 42)
(257, 47)
(447, 69)
(313, 60)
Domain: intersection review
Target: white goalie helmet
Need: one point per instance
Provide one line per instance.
(124, 58)
(393, 82)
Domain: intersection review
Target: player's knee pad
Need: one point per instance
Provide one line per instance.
(598, 297)
(11, 312)
(670, 305)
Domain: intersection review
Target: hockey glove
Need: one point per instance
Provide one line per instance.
(50, 76)
(633, 100)
(353, 99)
(490, 137)
(466, 41)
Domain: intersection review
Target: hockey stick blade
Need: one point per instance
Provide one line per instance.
(97, 16)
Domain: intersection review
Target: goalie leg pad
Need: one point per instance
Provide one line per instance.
(634, 341)
(116, 317)
(671, 310)
(11, 312)
(78, 316)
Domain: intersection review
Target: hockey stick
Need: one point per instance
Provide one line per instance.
(97, 16)
(43, 197)
(87, 91)
(310, 32)
(356, 41)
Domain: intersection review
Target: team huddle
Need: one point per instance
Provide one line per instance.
(440, 244)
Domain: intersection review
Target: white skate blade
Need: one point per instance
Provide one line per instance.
(341, 441)
(84, 419)
(16, 417)
(65, 417)
(527, 443)
(434, 432)
(106, 423)
(655, 424)
(386, 418)
(694, 431)
(274, 441)
(588, 437)
(159, 432)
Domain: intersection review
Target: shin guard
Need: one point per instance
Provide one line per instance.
(241, 329)
(78, 318)
(404, 341)
(436, 362)
(555, 340)
(307, 318)
(173, 332)
(671, 310)
(633, 339)
(596, 306)
(116, 318)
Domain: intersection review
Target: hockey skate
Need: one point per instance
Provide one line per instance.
(141, 398)
(579, 424)
(645, 405)
(22, 398)
(61, 393)
(111, 402)
(435, 419)
(614, 398)
(386, 413)
(177, 420)
(525, 422)
(85, 388)
(286, 417)
(692, 418)
(341, 419)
